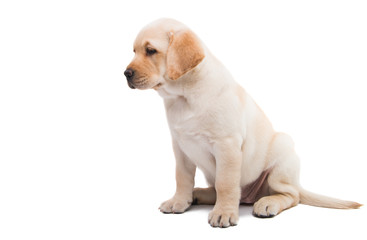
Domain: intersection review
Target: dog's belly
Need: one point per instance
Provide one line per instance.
(255, 190)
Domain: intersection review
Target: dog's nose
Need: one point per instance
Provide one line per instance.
(129, 73)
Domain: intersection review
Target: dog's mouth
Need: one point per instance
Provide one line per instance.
(131, 85)
(139, 84)
(143, 85)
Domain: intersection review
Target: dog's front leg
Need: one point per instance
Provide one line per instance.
(228, 157)
(185, 177)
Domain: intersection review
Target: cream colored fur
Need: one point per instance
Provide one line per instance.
(216, 127)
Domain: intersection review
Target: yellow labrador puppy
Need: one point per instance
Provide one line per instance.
(217, 127)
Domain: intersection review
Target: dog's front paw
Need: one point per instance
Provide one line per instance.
(175, 205)
(223, 218)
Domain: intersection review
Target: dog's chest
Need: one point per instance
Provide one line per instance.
(199, 151)
(191, 129)
(188, 122)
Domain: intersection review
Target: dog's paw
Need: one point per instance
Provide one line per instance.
(175, 205)
(223, 218)
(266, 208)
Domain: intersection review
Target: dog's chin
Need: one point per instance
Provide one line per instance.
(131, 85)
(154, 86)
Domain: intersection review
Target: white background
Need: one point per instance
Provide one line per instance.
(82, 156)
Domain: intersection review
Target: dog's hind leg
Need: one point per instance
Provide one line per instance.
(204, 196)
(283, 179)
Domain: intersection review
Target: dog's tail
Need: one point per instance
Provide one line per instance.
(317, 200)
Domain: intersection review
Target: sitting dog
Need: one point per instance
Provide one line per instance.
(217, 127)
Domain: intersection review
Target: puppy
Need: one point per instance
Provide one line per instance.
(217, 127)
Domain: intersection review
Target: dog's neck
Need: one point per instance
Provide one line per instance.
(199, 82)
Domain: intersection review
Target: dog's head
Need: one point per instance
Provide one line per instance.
(164, 50)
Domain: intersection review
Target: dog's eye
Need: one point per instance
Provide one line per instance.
(150, 51)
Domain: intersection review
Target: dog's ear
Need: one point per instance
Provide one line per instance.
(184, 53)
